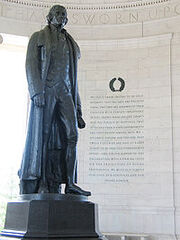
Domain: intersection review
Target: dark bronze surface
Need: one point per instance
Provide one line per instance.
(52, 196)
(51, 216)
(64, 238)
(49, 157)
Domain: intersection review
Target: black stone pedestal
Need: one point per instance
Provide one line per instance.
(51, 216)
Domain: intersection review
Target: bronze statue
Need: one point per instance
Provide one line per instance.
(49, 157)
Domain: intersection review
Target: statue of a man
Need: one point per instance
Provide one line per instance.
(49, 157)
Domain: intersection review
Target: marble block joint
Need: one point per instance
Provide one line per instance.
(51, 216)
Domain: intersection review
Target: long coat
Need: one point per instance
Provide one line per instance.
(37, 65)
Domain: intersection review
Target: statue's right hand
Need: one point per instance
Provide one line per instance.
(39, 100)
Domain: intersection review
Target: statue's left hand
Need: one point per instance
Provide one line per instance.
(81, 123)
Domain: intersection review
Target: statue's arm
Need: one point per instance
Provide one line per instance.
(33, 67)
(79, 104)
(81, 122)
(78, 53)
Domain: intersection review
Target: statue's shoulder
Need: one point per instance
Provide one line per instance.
(39, 36)
(74, 44)
(69, 36)
(34, 36)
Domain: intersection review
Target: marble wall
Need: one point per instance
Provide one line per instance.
(129, 152)
(126, 150)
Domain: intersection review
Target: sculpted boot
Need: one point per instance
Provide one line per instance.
(71, 188)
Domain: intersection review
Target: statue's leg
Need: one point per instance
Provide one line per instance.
(54, 187)
(48, 111)
(67, 116)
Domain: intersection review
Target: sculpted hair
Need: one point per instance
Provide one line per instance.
(51, 13)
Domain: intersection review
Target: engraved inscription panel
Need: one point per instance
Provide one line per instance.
(116, 138)
(125, 152)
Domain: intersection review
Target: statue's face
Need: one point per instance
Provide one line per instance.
(59, 16)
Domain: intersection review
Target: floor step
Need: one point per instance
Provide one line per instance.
(126, 236)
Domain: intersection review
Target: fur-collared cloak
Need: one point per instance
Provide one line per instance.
(37, 65)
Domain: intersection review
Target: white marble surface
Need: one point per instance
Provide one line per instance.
(143, 204)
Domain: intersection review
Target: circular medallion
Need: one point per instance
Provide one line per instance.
(120, 86)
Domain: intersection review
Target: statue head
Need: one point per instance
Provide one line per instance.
(57, 16)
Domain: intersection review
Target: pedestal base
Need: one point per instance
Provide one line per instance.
(51, 216)
(81, 238)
